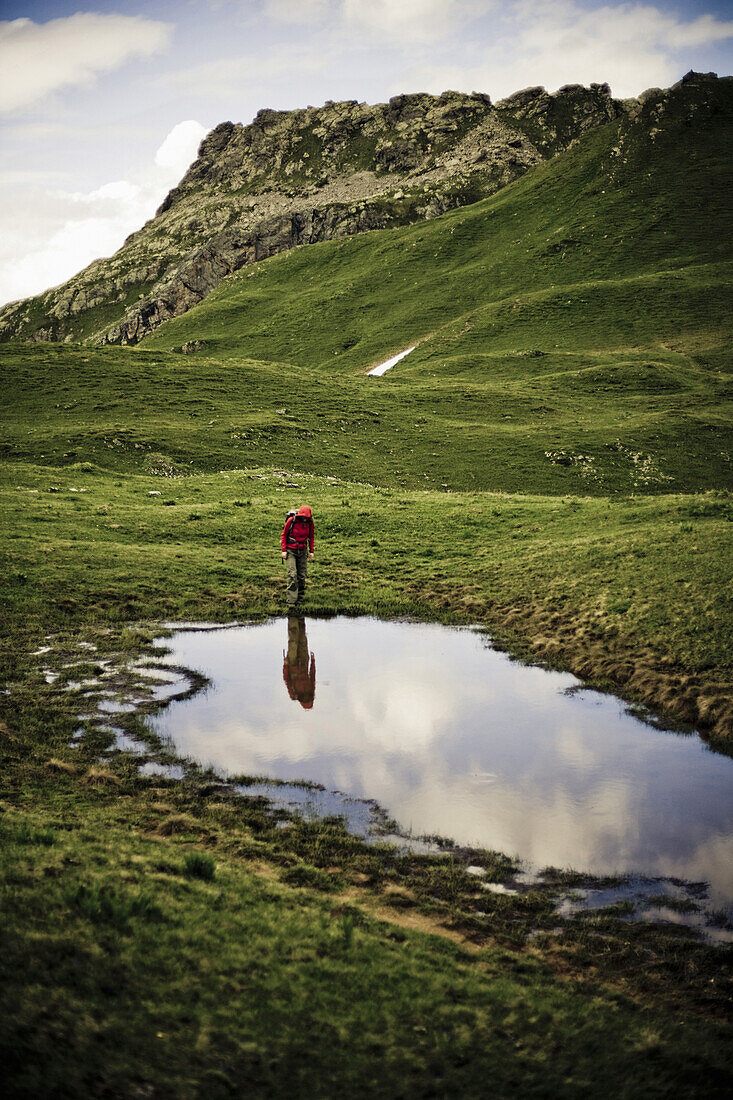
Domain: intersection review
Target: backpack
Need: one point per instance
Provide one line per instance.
(300, 529)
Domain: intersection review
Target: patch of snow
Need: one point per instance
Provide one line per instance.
(389, 363)
(497, 888)
(475, 871)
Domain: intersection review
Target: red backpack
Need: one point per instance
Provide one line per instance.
(299, 532)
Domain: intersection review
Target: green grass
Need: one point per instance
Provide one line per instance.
(629, 592)
(552, 462)
(617, 218)
(563, 422)
(199, 865)
(121, 970)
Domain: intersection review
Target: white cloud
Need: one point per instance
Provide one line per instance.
(400, 20)
(297, 11)
(67, 230)
(424, 18)
(701, 32)
(235, 77)
(179, 147)
(545, 28)
(73, 245)
(39, 58)
(631, 46)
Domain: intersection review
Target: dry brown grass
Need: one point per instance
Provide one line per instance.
(56, 765)
(634, 672)
(177, 824)
(101, 777)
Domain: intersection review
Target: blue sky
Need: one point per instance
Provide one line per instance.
(102, 107)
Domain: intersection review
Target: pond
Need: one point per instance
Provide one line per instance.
(453, 738)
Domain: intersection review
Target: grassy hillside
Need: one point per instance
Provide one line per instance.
(579, 319)
(574, 336)
(291, 177)
(566, 422)
(620, 205)
(574, 341)
(553, 462)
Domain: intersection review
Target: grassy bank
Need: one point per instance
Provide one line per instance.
(306, 960)
(168, 939)
(628, 594)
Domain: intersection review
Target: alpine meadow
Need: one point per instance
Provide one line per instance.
(552, 463)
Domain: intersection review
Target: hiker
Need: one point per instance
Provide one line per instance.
(296, 541)
(299, 666)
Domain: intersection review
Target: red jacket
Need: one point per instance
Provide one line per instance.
(300, 680)
(304, 533)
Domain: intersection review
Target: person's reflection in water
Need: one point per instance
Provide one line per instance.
(299, 675)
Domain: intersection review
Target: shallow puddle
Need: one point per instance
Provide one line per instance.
(452, 738)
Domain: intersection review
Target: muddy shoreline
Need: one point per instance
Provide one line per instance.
(679, 697)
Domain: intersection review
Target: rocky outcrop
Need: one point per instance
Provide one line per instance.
(291, 178)
(555, 122)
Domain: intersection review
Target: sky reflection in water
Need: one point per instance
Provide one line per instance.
(453, 738)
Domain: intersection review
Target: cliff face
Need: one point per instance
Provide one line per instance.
(296, 177)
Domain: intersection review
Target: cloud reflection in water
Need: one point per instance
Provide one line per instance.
(453, 738)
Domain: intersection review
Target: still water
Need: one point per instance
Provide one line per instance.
(453, 738)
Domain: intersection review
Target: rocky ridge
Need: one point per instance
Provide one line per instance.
(297, 177)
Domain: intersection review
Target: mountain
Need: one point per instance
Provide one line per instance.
(572, 333)
(297, 177)
(622, 241)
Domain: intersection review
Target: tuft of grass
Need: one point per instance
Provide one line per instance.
(102, 904)
(100, 776)
(177, 824)
(312, 877)
(62, 766)
(199, 865)
(25, 834)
